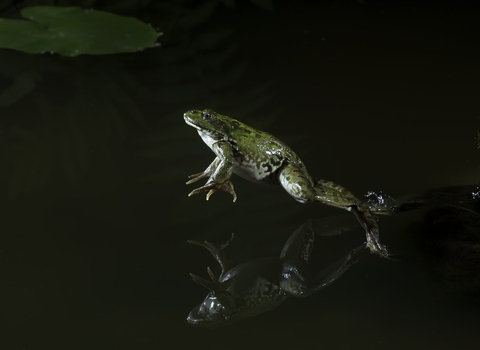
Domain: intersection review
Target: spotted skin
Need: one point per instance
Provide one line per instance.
(262, 284)
(260, 157)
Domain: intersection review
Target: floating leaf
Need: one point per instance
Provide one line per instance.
(72, 31)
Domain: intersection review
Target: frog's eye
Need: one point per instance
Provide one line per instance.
(206, 116)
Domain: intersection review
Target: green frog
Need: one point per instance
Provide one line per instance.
(260, 157)
(259, 285)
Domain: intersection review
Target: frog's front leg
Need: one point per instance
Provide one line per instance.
(219, 172)
(206, 173)
(218, 251)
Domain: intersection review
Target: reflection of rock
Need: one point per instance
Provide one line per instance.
(449, 237)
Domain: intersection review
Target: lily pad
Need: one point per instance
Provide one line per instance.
(72, 31)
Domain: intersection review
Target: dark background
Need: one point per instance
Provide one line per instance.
(373, 95)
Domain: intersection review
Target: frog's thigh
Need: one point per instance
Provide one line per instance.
(294, 181)
(296, 275)
(298, 281)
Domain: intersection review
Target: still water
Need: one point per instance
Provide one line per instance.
(96, 153)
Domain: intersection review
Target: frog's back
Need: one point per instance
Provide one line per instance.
(260, 156)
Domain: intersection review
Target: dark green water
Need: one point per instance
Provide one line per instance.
(95, 153)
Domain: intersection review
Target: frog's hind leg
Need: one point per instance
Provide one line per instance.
(335, 195)
(376, 209)
(329, 274)
(306, 190)
(369, 224)
(326, 190)
(297, 278)
(297, 183)
(300, 244)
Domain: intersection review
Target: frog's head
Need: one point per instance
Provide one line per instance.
(208, 123)
(218, 308)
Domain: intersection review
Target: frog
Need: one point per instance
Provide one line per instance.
(262, 284)
(260, 157)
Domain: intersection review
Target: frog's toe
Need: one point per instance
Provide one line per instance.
(199, 190)
(212, 191)
(195, 177)
(227, 186)
(194, 192)
(212, 188)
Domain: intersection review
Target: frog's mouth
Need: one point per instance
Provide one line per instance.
(189, 122)
(199, 319)
(204, 133)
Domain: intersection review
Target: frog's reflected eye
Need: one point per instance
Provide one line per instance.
(206, 116)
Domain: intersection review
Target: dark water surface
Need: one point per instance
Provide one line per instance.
(95, 217)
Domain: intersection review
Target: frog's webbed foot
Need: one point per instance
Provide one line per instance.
(219, 173)
(218, 251)
(376, 247)
(366, 219)
(211, 187)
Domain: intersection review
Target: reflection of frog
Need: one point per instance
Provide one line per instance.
(260, 157)
(259, 285)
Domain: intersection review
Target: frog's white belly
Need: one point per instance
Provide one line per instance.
(250, 168)
(209, 141)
